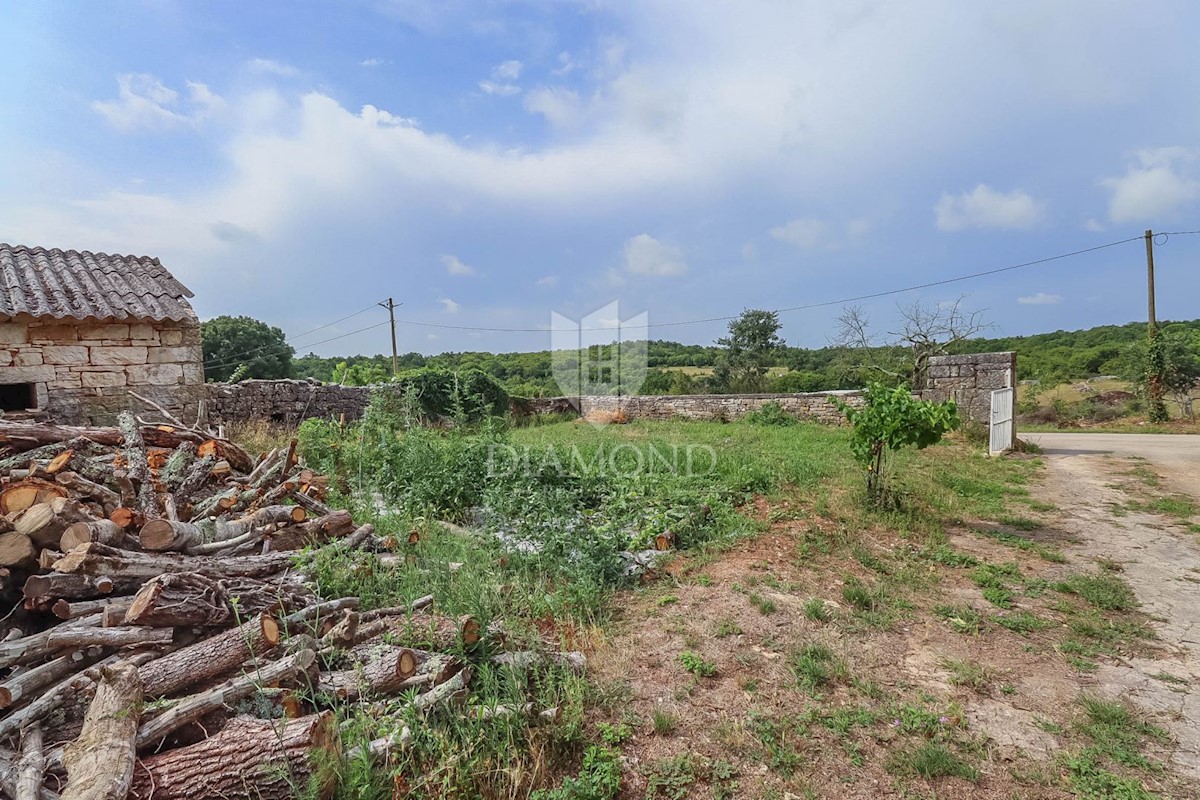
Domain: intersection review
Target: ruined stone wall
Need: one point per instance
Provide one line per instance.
(969, 380)
(815, 406)
(285, 402)
(82, 371)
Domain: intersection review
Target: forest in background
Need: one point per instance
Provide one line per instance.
(676, 368)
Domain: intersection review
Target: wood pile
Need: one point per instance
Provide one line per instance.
(161, 640)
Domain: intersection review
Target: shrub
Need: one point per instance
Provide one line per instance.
(769, 414)
(888, 420)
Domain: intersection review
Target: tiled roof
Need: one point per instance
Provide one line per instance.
(80, 285)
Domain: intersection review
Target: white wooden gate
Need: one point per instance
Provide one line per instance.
(1001, 429)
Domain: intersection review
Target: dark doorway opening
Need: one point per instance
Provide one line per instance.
(17, 396)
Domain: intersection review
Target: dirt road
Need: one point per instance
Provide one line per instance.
(1091, 478)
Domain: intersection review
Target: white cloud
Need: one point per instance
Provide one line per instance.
(1155, 186)
(502, 89)
(749, 251)
(456, 267)
(984, 207)
(373, 62)
(503, 75)
(1040, 299)
(801, 232)
(561, 107)
(858, 228)
(566, 64)
(1093, 225)
(271, 67)
(143, 101)
(507, 70)
(645, 255)
(547, 280)
(449, 306)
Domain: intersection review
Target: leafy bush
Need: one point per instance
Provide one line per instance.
(769, 414)
(599, 778)
(441, 394)
(888, 420)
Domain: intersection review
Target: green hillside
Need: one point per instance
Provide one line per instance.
(681, 368)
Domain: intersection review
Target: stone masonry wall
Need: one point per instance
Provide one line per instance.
(816, 406)
(285, 402)
(81, 371)
(968, 380)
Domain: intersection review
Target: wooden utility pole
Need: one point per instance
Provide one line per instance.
(1158, 409)
(1153, 323)
(391, 307)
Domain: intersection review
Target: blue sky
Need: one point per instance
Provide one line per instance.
(488, 163)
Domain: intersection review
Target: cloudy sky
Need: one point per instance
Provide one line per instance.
(489, 162)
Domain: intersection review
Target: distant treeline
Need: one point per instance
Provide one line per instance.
(1047, 357)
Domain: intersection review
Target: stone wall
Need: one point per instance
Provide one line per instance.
(969, 380)
(284, 402)
(817, 406)
(81, 371)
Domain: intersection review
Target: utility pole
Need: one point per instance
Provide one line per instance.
(1153, 323)
(391, 307)
(1158, 409)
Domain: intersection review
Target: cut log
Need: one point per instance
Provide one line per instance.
(109, 637)
(385, 670)
(161, 534)
(35, 645)
(8, 777)
(139, 467)
(17, 550)
(51, 699)
(209, 658)
(32, 765)
(100, 530)
(47, 557)
(425, 632)
(94, 558)
(59, 462)
(41, 524)
(178, 463)
(64, 609)
(249, 759)
(180, 599)
(312, 505)
(318, 531)
(525, 659)
(85, 488)
(196, 476)
(295, 668)
(23, 494)
(125, 517)
(29, 683)
(100, 762)
(30, 435)
(43, 591)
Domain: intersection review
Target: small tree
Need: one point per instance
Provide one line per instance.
(1170, 360)
(889, 419)
(752, 347)
(245, 347)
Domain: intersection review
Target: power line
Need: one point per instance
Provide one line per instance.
(823, 304)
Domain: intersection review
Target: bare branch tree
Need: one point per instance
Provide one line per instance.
(927, 331)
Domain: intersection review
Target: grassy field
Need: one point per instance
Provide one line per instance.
(760, 660)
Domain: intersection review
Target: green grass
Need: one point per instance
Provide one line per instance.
(1106, 591)
(815, 666)
(696, 665)
(817, 610)
(970, 674)
(1043, 551)
(931, 760)
(961, 618)
(577, 520)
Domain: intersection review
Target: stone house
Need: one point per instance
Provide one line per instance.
(79, 330)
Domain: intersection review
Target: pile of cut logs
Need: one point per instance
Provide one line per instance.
(162, 641)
